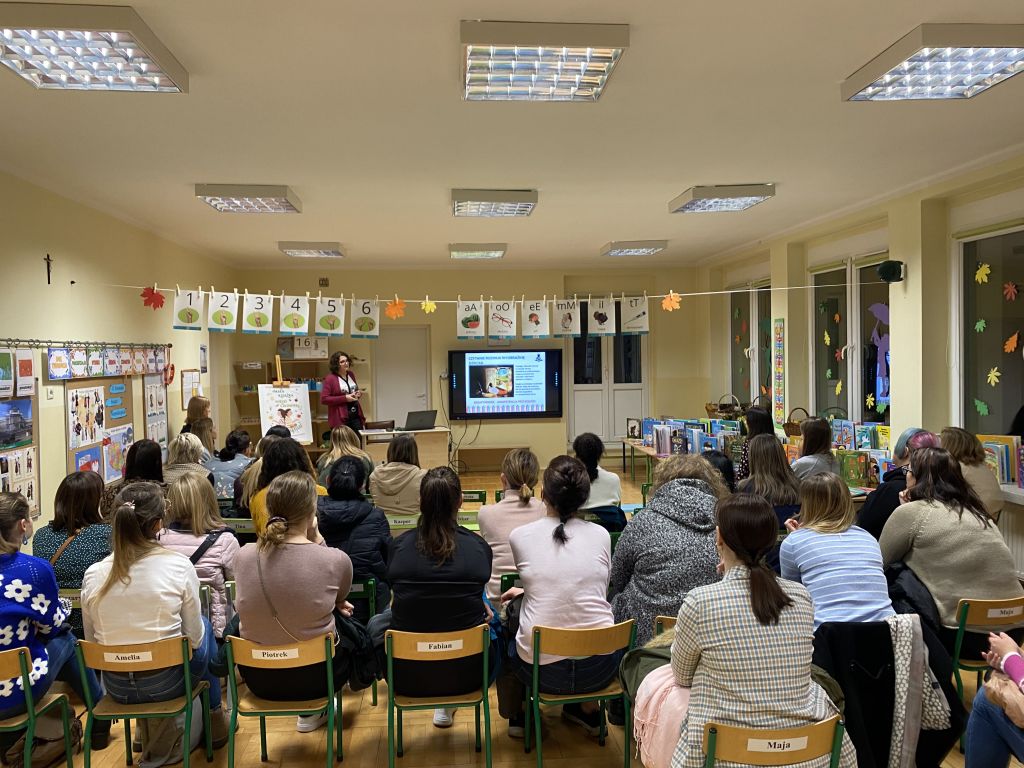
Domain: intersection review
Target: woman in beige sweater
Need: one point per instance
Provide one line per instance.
(968, 450)
(395, 485)
(944, 535)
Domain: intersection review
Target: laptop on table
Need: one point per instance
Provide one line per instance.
(418, 420)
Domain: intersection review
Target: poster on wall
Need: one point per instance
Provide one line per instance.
(469, 319)
(116, 443)
(567, 318)
(89, 460)
(536, 319)
(151, 366)
(15, 423)
(127, 362)
(257, 313)
(601, 317)
(330, 317)
(501, 319)
(79, 363)
(138, 361)
(204, 358)
(155, 393)
(188, 311)
(365, 319)
(191, 386)
(286, 407)
(7, 372)
(58, 363)
(25, 361)
(779, 371)
(112, 361)
(223, 311)
(94, 363)
(161, 359)
(85, 416)
(635, 320)
(294, 315)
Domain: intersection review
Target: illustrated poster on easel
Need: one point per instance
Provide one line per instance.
(286, 406)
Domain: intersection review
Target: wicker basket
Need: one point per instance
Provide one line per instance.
(724, 410)
(792, 427)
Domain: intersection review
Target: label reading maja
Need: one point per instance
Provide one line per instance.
(283, 653)
(1002, 613)
(777, 745)
(127, 658)
(449, 645)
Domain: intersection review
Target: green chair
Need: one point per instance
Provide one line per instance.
(142, 657)
(664, 623)
(499, 495)
(615, 539)
(402, 523)
(438, 646)
(645, 491)
(509, 580)
(469, 518)
(578, 643)
(204, 601)
(225, 507)
(474, 497)
(286, 656)
(367, 590)
(784, 746)
(15, 665)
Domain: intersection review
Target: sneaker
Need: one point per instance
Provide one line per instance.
(517, 727)
(588, 721)
(443, 718)
(310, 723)
(219, 727)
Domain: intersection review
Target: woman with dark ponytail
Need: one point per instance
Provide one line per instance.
(744, 645)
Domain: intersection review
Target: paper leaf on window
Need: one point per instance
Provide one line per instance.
(1010, 345)
(736, 339)
(993, 376)
(151, 297)
(822, 309)
(764, 390)
(828, 373)
(428, 306)
(743, 327)
(828, 339)
(671, 303)
(869, 402)
(982, 273)
(838, 318)
(1010, 291)
(741, 369)
(981, 407)
(980, 326)
(395, 309)
(882, 407)
(839, 355)
(839, 388)
(735, 312)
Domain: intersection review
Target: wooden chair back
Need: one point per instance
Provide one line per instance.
(785, 746)
(583, 642)
(402, 523)
(13, 663)
(73, 596)
(663, 624)
(285, 656)
(139, 657)
(437, 646)
(990, 613)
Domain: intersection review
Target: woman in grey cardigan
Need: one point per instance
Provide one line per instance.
(668, 548)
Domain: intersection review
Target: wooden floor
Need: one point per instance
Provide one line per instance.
(365, 736)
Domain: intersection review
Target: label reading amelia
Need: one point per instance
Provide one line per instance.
(282, 653)
(127, 658)
(777, 745)
(1001, 613)
(449, 645)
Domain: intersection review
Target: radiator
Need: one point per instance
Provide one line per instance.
(1011, 524)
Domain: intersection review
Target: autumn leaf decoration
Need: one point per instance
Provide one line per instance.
(839, 355)
(982, 273)
(869, 402)
(671, 302)
(395, 309)
(993, 376)
(428, 306)
(1010, 345)
(828, 339)
(151, 297)
(981, 407)
(1010, 291)
(882, 407)
(980, 326)
(839, 388)
(838, 318)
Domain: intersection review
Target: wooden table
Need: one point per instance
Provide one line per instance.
(432, 445)
(649, 454)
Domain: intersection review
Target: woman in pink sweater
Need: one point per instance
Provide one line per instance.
(341, 395)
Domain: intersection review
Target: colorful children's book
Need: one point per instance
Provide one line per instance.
(633, 429)
(710, 443)
(865, 437)
(853, 467)
(993, 459)
(721, 425)
(843, 434)
(662, 439)
(678, 428)
(728, 439)
(792, 452)
(882, 433)
(694, 437)
(1020, 467)
(647, 430)
(1012, 443)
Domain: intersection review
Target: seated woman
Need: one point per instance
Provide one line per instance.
(771, 477)
(605, 486)
(344, 442)
(32, 616)
(882, 502)
(230, 462)
(185, 454)
(839, 563)
(206, 431)
(564, 564)
(142, 464)
(519, 472)
(726, 633)
(76, 537)
(758, 422)
(282, 456)
(816, 452)
(143, 593)
(289, 587)
(348, 522)
(725, 468)
(668, 548)
(247, 484)
(943, 534)
(195, 529)
(437, 574)
(970, 453)
(395, 485)
(992, 737)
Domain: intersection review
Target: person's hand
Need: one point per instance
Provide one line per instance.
(346, 609)
(792, 524)
(904, 497)
(512, 594)
(357, 394)
(1002, 645)
(488, 611)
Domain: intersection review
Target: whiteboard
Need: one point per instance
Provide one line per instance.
(288, 407)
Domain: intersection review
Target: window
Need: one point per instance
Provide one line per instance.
(739, 342)
(993, 326)
(626, 353)
(587, 368)
(831, 383)
(763, 342)
(873, 345)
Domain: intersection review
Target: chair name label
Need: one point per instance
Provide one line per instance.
(777, 745)
(127, 658)
(447, 645)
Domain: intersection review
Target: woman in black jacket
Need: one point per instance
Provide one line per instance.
(350, 523)
(882, 502)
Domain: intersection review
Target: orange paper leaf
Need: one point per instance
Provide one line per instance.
(1011, 343)
(670, 302)
(395, 309)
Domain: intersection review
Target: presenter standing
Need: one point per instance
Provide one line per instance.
(341, 395)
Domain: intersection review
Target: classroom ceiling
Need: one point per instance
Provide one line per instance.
(357, 106)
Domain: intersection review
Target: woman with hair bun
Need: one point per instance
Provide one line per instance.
(519, 472)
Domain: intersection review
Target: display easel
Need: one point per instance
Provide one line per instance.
(280, 381)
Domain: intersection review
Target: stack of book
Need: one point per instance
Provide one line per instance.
(1003, 456)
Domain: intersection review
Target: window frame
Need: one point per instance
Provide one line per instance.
(753, 350)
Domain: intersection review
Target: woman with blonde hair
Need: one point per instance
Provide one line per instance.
(668, 548)
(195, 529)
(248, 482)
(968, 450)
(289, 586)
(198, 408)
(519, 506)
(205, 430)
(771, 477)
(143, 593)
(344, 442)
(839, 563)
(185, 454)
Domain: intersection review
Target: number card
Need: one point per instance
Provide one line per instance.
(601, 317)
(223, 311)
(294, 315)
(365, 319)
(635, 319)
(536, 319)
(469, 321)
(567, 318)
(330, 317)
(257, 314)
(188, 310)
(501, 319)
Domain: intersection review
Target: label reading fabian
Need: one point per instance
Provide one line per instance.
(441, 647)
(777, 745)
(127, 658)
(276, 655)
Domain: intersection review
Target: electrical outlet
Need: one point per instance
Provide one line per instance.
(443, 375)
(50, 393)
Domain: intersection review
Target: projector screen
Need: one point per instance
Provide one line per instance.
(505, 384)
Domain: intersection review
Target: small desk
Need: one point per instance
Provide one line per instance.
(649, 453)
(432, 445)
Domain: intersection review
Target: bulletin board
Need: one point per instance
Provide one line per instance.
(99, 425)
(19, 447)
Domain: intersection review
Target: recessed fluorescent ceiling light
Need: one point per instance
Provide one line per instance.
(634, 247)
(532, 61)
(249, 198)
(725, 197)
(304, 250)
(477, 250)
(86, 48)
(493, 202)
(940, 61)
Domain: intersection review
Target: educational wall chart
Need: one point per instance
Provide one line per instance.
(469, 319)
(85, 416)
(223, 311)
(365, 319)
(330, 317)
(155, 393)
(116, 443)
(111, 361)
(567, 318)
(536, 319)
(294, 315)
(79, 362)
(601, 317)
(58, 363)
(501, 319)
(286, 406)
(7, 372)
(100, 431)
(779, 371)
(19, 466)
(635, 319)
(93, 363)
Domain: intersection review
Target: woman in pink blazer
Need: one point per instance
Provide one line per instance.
(341, 395)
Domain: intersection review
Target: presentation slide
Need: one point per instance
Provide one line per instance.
(505, 382)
